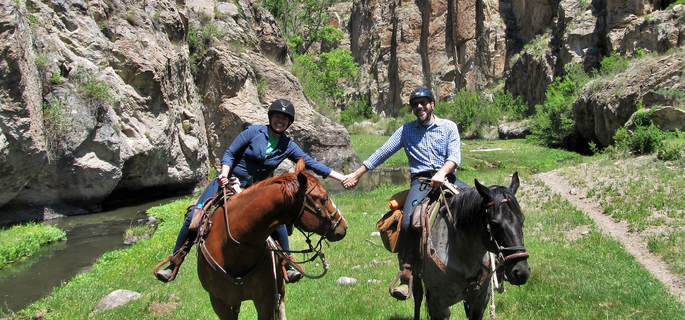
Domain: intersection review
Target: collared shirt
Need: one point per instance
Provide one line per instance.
(428, 148)
(246, 155)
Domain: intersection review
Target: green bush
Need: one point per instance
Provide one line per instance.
(643, 140)
(554, 125)
(358, 110)
(464, 110)
(613, 64)
(320, 77)
(669, 153)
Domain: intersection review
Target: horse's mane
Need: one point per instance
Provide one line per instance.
(288, 182)
(468, 207)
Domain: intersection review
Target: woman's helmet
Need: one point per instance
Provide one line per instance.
(421, 93)
(282, 106)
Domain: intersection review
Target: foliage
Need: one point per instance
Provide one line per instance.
(554, 125)
(613, 64)
(23, 240)
(643, 140)
(199, 41)
(321, 77)
(41, 61)
(464, 110)
(670, 153)
(358, 110)
(305, 21)
(98, 89)
(57, 122)
(676, 94)
(643, 117)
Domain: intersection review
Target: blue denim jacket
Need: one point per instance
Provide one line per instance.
(249, 148)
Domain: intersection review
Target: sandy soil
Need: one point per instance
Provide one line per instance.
(631, 241)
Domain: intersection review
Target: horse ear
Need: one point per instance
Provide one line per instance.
(299, 166)
(514, 183)
(483, 190)
(302, 180)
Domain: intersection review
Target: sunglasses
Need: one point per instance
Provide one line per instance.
(423, 102)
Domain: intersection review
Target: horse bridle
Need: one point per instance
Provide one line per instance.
(501, 257)
(319, 210)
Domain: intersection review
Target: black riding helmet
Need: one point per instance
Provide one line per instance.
(421, 93)
(282, 106)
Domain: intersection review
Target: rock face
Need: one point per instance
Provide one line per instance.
(450, 45)
(607, 104)
(104, 102)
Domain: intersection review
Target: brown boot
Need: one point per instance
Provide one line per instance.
(168, 274)
(405, 256)
(403, 291)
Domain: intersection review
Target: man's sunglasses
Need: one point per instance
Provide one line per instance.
(416, 103)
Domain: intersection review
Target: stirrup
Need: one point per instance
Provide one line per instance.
(396, 293)
(173, 272)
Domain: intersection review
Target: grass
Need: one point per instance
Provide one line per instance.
(23, 240)
(577, 272)
(647, 193)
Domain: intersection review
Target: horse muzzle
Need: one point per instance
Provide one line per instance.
(518, 272)
(339, 232)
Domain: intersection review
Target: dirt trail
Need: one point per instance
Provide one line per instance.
(631, 241)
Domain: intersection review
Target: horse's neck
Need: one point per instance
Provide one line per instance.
(252, 219)
(460, 249)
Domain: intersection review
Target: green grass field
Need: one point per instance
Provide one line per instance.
(573, 277)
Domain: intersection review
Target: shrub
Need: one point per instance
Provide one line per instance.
(669, 153)
(613, 64)
(643, 140)
(554, 125)
(98, 89)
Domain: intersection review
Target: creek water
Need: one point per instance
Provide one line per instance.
(90, 236)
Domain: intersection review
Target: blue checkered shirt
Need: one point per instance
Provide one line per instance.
(428, 148)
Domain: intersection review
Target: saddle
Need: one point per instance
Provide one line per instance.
(389, 224)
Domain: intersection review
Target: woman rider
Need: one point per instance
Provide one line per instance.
(252, 157)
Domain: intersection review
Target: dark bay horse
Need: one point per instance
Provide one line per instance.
(455, 251)
(234, 263)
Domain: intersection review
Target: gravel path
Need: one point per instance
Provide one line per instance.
(631, 241)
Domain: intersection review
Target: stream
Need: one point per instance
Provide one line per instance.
(92, 235)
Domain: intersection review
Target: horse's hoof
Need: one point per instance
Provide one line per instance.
(293, 276)
(401, 292)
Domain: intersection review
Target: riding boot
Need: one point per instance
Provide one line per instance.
(292, 275)
(169, 273)
(405, 257)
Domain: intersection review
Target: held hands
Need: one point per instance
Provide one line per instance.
(350, 181)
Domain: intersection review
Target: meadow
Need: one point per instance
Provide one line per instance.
(575, 275)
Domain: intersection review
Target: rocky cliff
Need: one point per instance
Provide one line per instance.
(103, 102)
(522, 44)
(119, 100)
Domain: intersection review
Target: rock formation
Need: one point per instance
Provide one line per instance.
(103, 102)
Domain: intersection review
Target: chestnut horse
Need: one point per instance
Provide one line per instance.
(456, 246)
(234, 262)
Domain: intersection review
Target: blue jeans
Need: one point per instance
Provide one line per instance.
(415, 195)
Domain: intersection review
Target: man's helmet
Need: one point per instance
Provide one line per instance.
(421, 93)
(282, 106)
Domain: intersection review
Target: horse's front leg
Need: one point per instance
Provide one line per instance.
(476, 307)
(223, 310)
(437, 309)
(417, 292)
